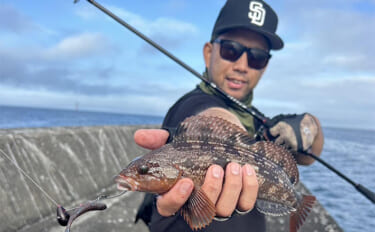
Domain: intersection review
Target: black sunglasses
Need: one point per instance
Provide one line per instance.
(232, 51)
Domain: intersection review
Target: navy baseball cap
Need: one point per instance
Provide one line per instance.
(255, 15)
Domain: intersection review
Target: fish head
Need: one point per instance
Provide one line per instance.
(148, 175)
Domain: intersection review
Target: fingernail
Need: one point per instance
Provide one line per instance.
(185, 188)
(216, 172)
(249, 170)
(235, 168)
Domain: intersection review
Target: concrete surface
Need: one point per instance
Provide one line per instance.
(75, 165)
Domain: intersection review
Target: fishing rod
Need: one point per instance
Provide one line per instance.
(252, 111)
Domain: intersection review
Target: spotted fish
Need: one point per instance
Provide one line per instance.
(201, 141)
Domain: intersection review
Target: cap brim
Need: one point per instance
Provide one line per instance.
(276, 42)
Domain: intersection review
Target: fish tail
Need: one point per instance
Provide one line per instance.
(298, 217)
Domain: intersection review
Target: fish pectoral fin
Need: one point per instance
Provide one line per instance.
(199, 210)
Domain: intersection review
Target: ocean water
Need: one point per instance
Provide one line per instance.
(350, 151)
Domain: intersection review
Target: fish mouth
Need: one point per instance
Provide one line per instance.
(124, 183)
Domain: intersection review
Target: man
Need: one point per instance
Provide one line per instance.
(235, 58)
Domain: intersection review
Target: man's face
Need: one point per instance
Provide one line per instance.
(235, 78)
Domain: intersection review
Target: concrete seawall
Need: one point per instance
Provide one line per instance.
(75, 165)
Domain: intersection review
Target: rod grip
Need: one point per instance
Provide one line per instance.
(366, 192)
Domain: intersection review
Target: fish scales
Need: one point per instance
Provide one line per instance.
(202, 141)
(221, 132)
(275, 184)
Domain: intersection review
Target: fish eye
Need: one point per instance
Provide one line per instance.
(143, 169)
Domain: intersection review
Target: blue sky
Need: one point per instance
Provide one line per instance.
(56, 54)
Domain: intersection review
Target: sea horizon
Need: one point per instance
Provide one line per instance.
(16, 117)
(79, 110)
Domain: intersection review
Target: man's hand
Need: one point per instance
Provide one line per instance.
(239, 190)
(296, 132)
(299, 133)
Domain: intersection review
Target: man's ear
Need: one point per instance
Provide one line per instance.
(207, 52)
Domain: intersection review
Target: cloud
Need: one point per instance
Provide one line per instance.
(337, 35)
(160, 25)
(125, 99)
(64, 78)
(134, 104)
(344, 101)
(78, 46)
(166, 31)
(70, 48)
(57, 69)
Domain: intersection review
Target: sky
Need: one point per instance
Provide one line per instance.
(56, 54)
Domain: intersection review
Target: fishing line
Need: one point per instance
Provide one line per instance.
(252, 111)
(33, 181)
(30, 179)
(100, 197)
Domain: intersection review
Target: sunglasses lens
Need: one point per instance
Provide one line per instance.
(229, 51)
(257, 58)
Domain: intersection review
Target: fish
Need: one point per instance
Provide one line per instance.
(201, 141)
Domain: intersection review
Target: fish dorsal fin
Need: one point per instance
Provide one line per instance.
(211, 128)
(273, 208)
(278, 155)
(198, 211)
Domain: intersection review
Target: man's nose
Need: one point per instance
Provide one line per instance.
(241, 64)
